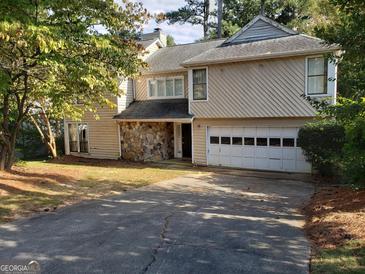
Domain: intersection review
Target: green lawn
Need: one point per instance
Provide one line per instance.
(347, 259)
(43, 186)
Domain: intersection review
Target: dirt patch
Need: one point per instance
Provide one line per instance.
(335, 216)
(45, 186)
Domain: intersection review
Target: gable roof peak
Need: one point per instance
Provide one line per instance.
(259, 28)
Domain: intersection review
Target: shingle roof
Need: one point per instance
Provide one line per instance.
(156, 109)
(170, 58)
(285, 46)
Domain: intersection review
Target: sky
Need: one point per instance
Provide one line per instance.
(185, 33)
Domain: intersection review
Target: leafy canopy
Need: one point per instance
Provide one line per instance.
(51, 51)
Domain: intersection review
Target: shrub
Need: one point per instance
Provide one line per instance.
(322, 143)
(354, 152)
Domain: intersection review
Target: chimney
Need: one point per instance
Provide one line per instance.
(161, 36)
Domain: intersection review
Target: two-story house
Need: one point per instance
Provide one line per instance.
(235, 102)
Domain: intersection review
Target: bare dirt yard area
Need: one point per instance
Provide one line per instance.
(39, 186)
(336, 228)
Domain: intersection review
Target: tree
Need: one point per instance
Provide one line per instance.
(51, 54)
(347, 29)
(237, 13)
(195, 12)
(170, 40)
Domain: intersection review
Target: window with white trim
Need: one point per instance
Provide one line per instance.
(166, 87)
(200, 84)
(78, 137)
(317, 76)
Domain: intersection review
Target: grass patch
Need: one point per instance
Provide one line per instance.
(346, 259)
(35, 186)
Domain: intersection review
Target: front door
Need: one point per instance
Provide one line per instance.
(186, 140)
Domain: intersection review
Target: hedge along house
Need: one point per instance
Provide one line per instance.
(236, 102)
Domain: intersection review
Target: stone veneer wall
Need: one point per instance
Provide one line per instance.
(142, 141)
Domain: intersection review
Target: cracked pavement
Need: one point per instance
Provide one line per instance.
(199, 223)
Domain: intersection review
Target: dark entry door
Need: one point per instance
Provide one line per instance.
(186, 140)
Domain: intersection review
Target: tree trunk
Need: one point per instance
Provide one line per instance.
(52, 148)
(10, 159)
(219, 18)
(206, 18)
(46, 133)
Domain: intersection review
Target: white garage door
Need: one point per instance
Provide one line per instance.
(256, 148)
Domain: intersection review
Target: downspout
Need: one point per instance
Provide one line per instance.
(192, 140)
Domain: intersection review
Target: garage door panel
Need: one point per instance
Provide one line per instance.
(300, 155)
(261, 152)
(237, 131)
(303, 166)
(236, 161)
(276, 153)
(289, 132)
(289, 153)
(288, 165)
(249, 132)
(248, 151)
(262, 132)
(226, 150)
(236, 151)
(214, 149)
(261, 163)
(275, 164)
(248, 163)
(275, 132)
(225, 160)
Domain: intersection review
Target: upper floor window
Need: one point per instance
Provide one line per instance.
(166, 87)
(200, 84)
(317, 76)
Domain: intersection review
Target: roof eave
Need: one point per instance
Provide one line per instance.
(167, 120)
(163, 71)
(259, 57)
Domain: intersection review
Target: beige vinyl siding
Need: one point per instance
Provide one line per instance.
(126, 98)
(103, 133)
(141, 83)
(151, 50)
(268, 88)
(200, 130)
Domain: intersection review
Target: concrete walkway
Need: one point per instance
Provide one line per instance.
(213, 223)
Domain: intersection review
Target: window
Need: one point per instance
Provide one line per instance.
(166, 87)
(237, 141)
(83, 138)
(225, 140)
(316, 76)
(78, 137)
(288, 142)
(199, 84)
(261, 142)
(249, 141)
(72, 137)
(274, 142)
(214, 140)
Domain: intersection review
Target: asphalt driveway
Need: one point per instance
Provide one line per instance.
(192, 224)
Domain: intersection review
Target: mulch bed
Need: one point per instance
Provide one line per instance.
(335, 215)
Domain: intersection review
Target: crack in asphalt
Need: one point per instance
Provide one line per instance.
(160, 245)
